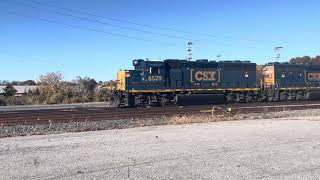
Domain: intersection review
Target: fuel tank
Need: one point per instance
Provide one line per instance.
(314, 95)
(199, 99)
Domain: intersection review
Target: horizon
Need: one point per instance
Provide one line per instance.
(97, 38)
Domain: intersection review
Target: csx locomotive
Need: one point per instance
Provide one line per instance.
(183, 82)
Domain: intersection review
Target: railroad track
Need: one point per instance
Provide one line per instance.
(31, 117)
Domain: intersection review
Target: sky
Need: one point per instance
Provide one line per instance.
(98, 37)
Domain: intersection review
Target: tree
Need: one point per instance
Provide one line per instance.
(305, 60)
(2, 101)
(51, 78)
(301, 60)
(87, 87)
(51, 88)
(9, 90)
(15, 83)
(29, 83)
(4, 82)
(316, 60)
(102, 95)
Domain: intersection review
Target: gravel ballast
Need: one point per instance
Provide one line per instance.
(26, 130)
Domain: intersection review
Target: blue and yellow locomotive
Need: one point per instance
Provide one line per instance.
(184, 82)
(284, 81)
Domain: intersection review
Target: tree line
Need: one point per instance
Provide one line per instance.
(18, 83)
(305, 60)
(52, 89)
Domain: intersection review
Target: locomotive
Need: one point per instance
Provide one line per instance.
(182, 82)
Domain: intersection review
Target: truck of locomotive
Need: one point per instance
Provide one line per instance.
(198, 82)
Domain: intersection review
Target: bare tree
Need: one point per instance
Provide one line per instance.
(51, 88)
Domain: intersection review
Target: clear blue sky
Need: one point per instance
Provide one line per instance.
(244, 30)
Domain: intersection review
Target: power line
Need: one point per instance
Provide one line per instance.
(104, 23)
(20, 56)
(146, 25)
(104, 32)
(31, 59)
(111, 18)
(139, 30)
(90, 29)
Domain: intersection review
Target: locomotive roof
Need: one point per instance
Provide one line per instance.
(196, 61)
(288, 65)
(176, 63)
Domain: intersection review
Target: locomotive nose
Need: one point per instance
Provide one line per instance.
(122, 75)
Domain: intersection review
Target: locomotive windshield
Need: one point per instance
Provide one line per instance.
(154, 70)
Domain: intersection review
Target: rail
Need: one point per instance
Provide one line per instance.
(31, 117)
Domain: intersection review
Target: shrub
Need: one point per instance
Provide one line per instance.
(102, 95)
(2, 101)
(9, 90)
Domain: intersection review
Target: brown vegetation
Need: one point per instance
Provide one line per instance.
(305, 60)
(53, 90)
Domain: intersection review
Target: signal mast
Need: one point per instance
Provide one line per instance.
(189, 50)
(277, 51)
(218, 56)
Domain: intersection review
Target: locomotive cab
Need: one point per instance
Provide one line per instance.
(135, 86)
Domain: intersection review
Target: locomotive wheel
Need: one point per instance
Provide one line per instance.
(283, 96)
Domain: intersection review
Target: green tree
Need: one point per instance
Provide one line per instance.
(29, 83)
(87, 87)
(9, 90)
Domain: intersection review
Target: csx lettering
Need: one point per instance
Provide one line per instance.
(205, 76)
(155, 78)
(314, 76)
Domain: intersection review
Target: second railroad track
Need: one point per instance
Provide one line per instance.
(47, 116)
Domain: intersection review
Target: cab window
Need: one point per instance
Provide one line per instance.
(154, 70)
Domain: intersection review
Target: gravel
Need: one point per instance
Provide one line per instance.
(39, 129)
(27, 130)
(279, 148)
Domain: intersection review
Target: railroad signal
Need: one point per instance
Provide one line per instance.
(189, 51)
(218, 56)
(277, 50)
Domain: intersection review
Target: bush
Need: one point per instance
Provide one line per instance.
(2, 101)
(102, 95)
(52, 89)
(14, 100)
(9, 90)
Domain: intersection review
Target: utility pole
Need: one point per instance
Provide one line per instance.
(189, 51)
(277, 51)
(218, 56)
